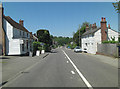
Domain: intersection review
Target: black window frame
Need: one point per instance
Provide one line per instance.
(20, 33)
(23, 47)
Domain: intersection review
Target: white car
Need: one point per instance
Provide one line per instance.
(77, 49)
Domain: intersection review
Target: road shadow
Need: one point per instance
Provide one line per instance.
(54, 52)
(4, 58)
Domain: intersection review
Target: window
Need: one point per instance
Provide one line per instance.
(92, 35)
(27, 34)
(20, 33)
(23, 33)
(86, 44)
(22, 47)
(27, 45)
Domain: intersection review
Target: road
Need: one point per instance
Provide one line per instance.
(64, 68)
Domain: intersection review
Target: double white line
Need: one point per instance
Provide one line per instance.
(80, 74)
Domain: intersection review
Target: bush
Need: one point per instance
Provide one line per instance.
(36, 46)
(47, 48)
(113, 42)
(40, 48)
(54, 46)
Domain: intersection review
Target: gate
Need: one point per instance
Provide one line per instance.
(119, 51)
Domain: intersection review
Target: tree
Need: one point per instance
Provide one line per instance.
(81, 30)
(62, 40)
(44, 36)
(117, 6)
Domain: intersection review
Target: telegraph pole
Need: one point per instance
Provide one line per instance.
(79, 35)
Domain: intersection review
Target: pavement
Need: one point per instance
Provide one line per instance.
(106, 59)
(14, 65)
(64, 68)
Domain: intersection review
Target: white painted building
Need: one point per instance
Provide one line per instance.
(18, 39)
(94, 36)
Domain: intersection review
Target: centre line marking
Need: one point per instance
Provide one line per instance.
(67, 61)
(78, 71)
(72, 72)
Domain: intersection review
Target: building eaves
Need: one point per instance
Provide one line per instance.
(15, 24)
(90, 31)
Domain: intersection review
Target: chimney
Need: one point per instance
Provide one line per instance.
(94, 26)
(109, 26)
(87, 27)
(90, 26)
(103, 29)
(102, 19)
(1, 17)
(21, 22)
(2, 32)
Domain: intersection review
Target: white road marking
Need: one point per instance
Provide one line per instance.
(72, 72)
(78, 71)
(67, 61)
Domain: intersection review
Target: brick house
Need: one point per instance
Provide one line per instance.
(94, 36)
(16, 39)
(2, 32)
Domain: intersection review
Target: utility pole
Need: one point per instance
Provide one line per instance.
(79, 35)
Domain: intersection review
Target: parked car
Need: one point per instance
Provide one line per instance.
(85, 50)
(77, 49)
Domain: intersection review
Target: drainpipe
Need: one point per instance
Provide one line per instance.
(107, 34)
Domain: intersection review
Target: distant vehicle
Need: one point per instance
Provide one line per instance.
(68, 47)
(77, 49)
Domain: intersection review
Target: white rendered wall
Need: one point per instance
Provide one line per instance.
(92, 41)
(112, 33)
(12, 45)
(13, 40)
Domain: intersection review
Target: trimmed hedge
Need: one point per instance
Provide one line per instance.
(113, 42)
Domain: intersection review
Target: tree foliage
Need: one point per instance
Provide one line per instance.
(36, 46)
(44, 36)
(62, 40)
(117, 6)
(81, 30)
(113, 42)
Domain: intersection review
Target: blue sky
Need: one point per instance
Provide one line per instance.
(62, 18)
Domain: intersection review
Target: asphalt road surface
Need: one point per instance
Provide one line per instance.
(64, 68)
